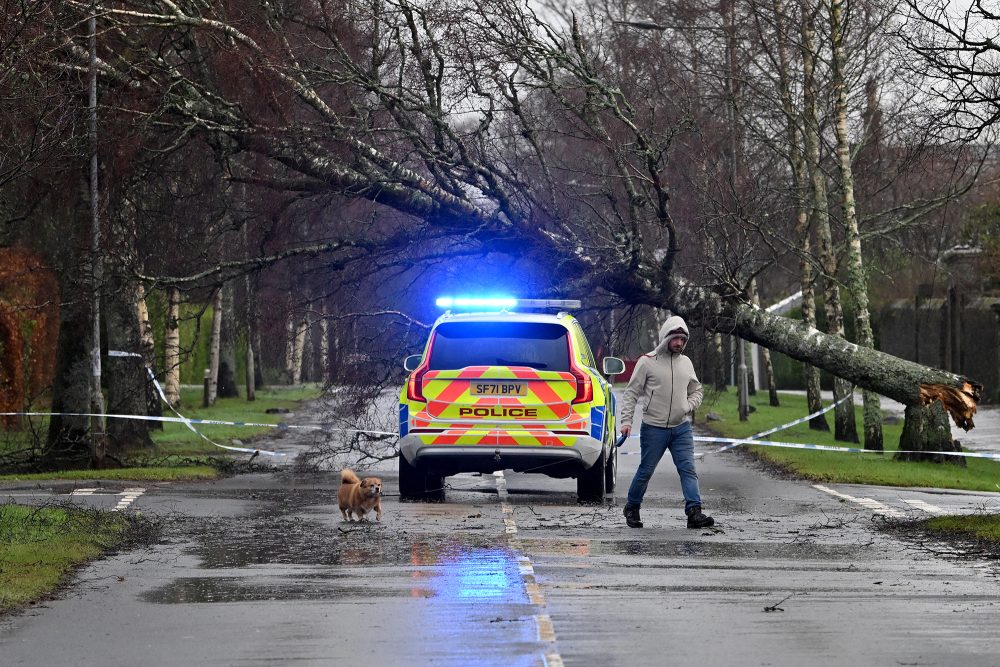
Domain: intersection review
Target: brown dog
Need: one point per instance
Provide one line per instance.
(359, 496)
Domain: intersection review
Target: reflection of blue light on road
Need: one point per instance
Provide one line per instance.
(478, 575)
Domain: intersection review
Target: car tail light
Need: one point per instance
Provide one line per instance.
(584, 385)
(415, 383)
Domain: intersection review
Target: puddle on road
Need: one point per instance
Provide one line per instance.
(453, 572)
(271, 540)
(241, 589)
(450, 566)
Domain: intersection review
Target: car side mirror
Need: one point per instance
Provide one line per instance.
(613, 365)
(412, 361)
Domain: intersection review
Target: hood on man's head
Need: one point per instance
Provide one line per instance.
(674, 323)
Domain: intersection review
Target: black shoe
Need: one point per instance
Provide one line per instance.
(698, 519)
(631, 513)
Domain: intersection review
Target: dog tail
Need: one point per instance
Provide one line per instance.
(347, 476)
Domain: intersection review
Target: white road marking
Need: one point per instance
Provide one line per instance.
(868, 503)
(543, 622)
(82, 492)
(925, 506)
(553, 660)
(128, 497)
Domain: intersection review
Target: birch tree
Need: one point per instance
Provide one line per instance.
(857, 278)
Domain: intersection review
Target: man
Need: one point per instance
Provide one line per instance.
(666, 378)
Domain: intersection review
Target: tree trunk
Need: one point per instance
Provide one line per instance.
(719, 367)
(172, 349)
(927, 428)
(324, 348)
(901, 380)
(765, 354)
(126, 375)
(800, 178)
(857, 280)
(298, 350)
(153, 406)
(845, 428)
(250, 371)
(69, 437)
(250, 311)
(290, 347)
(214, 345)
(814, 398)
(71, 440)
(227, 387)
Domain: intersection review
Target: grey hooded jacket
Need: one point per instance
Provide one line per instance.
(666, 380)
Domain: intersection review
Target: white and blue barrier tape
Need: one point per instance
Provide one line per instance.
(755, 436)
(730, 443)
(833, 448)
(189, 422)
(755, 439)
(790, 424)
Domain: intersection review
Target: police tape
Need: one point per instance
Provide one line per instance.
(190, 422)
(756, 440)
(187, 422)
(834, 448)
(755, 436)
(790, 424)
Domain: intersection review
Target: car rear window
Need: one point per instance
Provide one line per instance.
(533, 344)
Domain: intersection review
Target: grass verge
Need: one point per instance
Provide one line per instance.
(180, 454)
(847, 467)
(39, 546)
(983, 528)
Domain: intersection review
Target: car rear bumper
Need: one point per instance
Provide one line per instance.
(562, 461)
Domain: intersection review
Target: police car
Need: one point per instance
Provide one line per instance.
(511, 388)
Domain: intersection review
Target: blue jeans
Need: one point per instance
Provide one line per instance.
(654, 442)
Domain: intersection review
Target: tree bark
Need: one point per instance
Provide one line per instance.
(227, 386)
(298, 350)
(153, 406)
(800, 179)
(172, 349)
(126, 375)
(69, 437)
(857, 280)
(765, 354)
(250, 312)
(290, 347)
(926, 427)
(845, 428)
(814, 398)
(214, 345)
(324, 349)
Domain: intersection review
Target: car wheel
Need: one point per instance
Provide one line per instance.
(611, 471)
(590, 483)
(415, 484)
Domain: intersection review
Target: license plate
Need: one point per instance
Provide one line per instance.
(499, 389)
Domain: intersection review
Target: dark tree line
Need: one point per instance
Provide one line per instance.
(352, 147)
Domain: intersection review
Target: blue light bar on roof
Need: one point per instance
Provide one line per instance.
(504, 303)
(477, 302)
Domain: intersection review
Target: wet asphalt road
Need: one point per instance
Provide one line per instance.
(260, 569)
